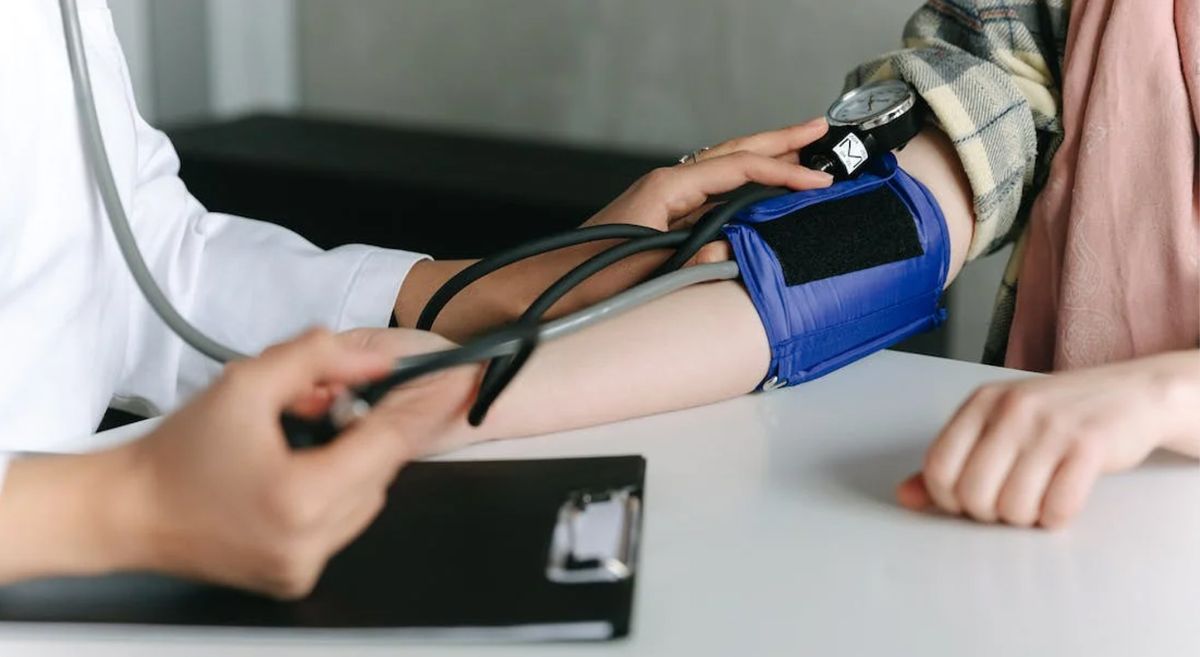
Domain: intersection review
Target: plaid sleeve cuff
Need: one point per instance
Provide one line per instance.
(986, 74)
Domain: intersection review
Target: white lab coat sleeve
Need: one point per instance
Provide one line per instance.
(246, 283)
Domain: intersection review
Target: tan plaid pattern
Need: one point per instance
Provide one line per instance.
(989, 72)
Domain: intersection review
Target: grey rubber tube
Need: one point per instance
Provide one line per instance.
(638, 296)
(97, 154)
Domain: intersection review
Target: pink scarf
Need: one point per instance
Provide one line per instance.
(1110, 269)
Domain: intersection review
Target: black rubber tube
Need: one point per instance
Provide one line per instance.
(501, 371)
(464, 278)
(709, 226)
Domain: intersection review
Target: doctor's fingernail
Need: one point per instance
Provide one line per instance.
(824, 178)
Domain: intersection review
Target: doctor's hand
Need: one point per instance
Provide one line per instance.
(668, 198)
(1028, 452)
(675, 197)
(223, 499)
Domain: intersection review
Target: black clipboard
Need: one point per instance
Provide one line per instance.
(481, 550)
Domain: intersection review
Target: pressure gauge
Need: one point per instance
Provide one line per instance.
(865, 122)
(873, 105)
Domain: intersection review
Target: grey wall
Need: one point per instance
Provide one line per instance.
(193, 60)
(131, 19)
(643, 74)
(179, 41)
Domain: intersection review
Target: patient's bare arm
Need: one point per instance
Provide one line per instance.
(695, 347)
(931, 158)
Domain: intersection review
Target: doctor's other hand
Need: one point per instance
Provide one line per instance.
(1028, 452)
(222, 497)
(433, 407)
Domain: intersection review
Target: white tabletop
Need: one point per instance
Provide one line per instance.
(770, 530)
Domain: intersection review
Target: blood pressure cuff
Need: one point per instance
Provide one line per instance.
(839, 273)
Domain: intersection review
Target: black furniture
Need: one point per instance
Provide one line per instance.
(449, 195)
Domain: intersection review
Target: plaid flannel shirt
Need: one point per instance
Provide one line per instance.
(990, 72)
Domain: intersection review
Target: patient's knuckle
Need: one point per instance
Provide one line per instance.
(937, 472)
(1018, 403)
(1056, 427)
(939, 463)
(1015, 513)
(1057, 512)
(984, 394)
(973, 501)
(1014, 508)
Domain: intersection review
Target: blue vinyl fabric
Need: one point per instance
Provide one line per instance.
(822, 325)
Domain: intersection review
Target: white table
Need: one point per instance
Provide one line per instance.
(770, 530)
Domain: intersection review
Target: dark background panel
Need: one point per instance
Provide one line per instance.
(449, 195)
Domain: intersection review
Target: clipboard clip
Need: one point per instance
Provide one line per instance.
(596, 537)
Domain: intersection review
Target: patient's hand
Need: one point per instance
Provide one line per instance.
(1028, 452)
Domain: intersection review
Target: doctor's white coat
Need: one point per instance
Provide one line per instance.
(75, 332)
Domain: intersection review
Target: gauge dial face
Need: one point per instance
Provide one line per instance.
(868, 102)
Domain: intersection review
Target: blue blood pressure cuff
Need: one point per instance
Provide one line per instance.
(839, 273)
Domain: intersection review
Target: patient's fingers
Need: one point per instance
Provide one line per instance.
(781, 143)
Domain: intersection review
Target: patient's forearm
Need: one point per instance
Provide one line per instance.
(697, 346)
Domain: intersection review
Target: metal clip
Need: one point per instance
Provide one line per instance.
(773, 383)
(596, 537)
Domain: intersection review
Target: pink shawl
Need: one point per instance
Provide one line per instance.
(1110, 269)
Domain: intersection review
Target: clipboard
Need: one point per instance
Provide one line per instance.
(498, 551)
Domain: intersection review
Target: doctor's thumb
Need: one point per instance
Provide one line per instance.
(289, 372)
(718, 251)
